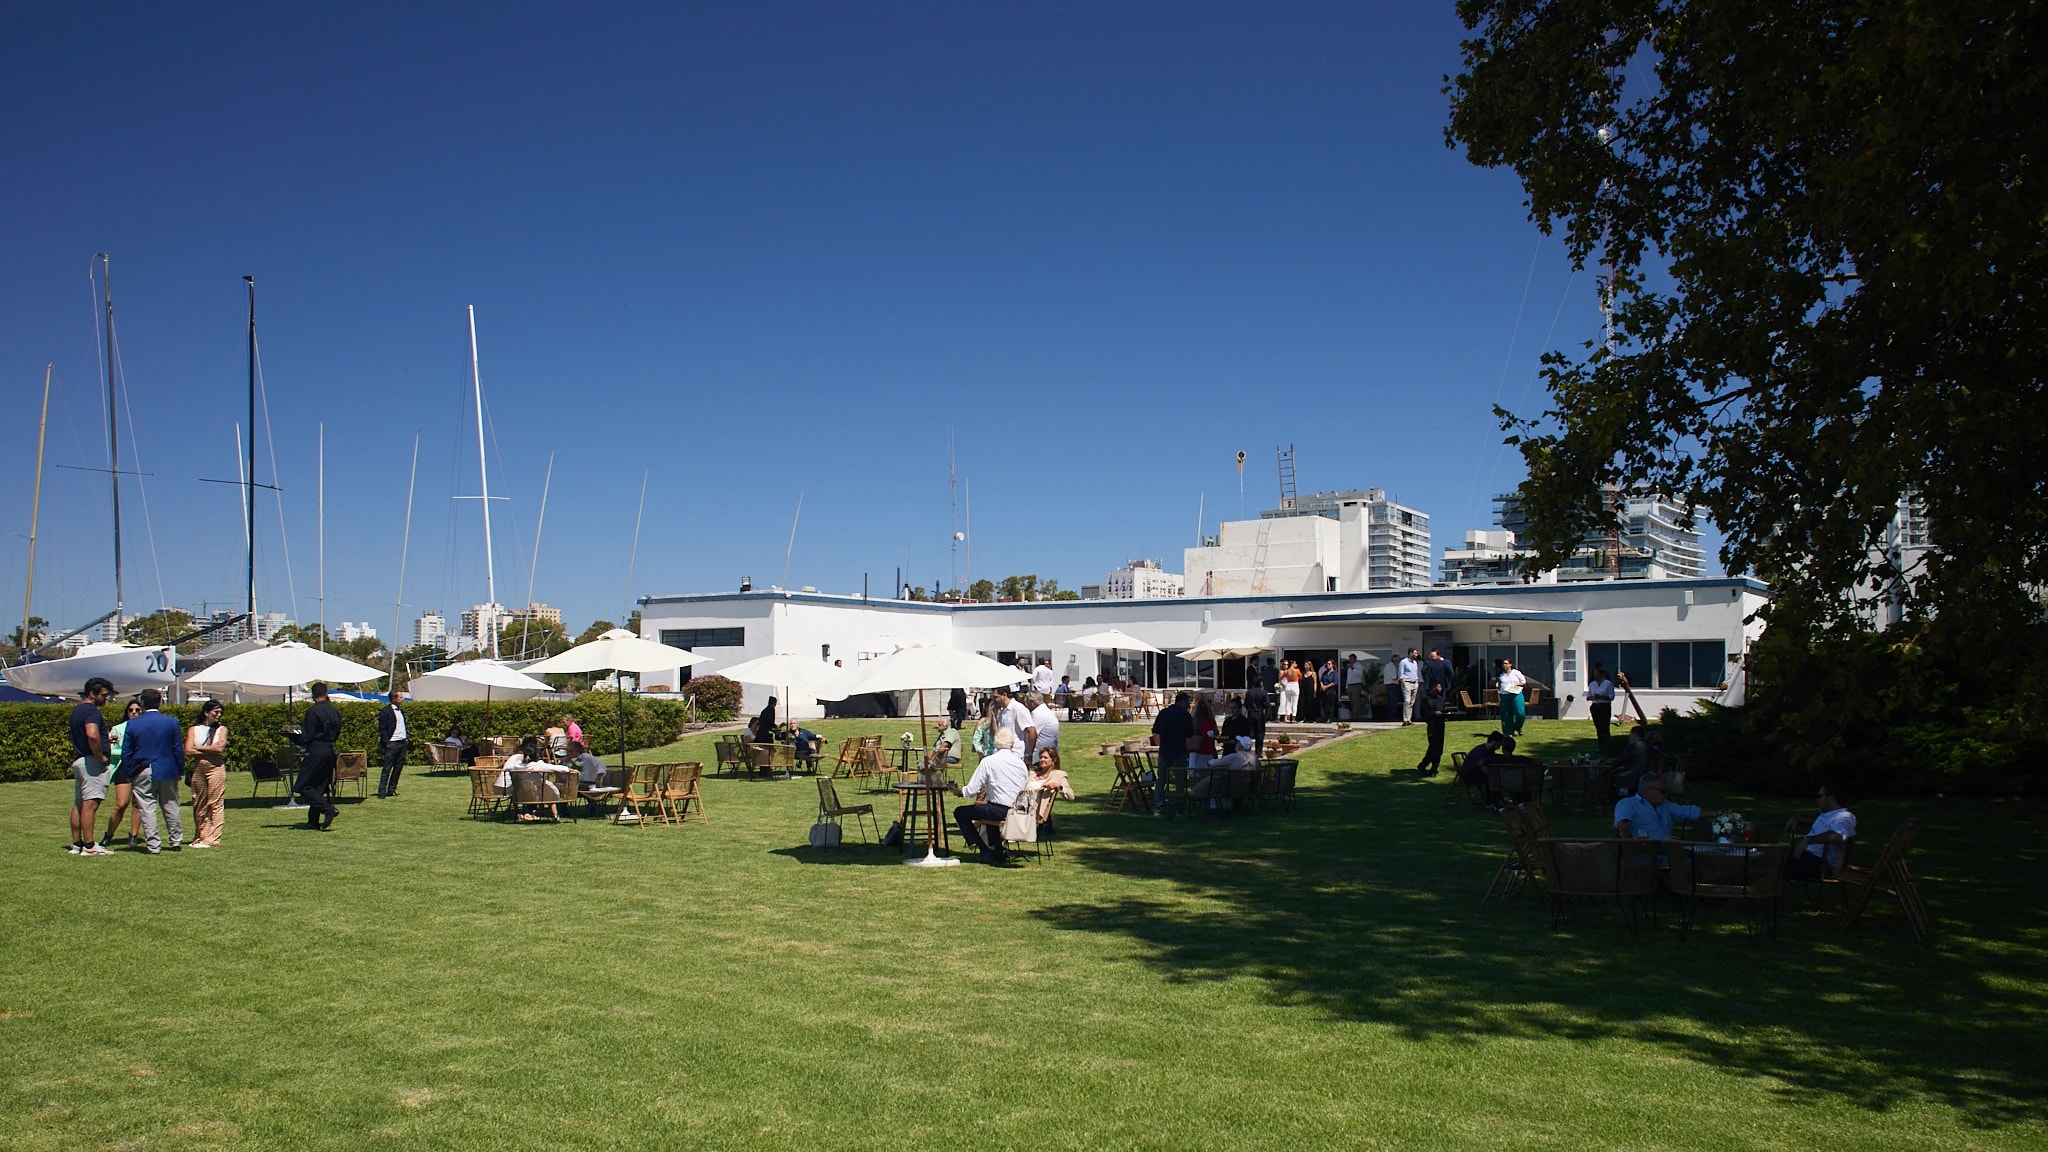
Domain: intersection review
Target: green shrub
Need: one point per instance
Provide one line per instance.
(718, 699)
(35, 740)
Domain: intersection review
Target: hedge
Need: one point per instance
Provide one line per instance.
(35, 740)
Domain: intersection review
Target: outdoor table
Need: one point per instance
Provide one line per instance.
(510, 783)
(921, 802)
(903, 754)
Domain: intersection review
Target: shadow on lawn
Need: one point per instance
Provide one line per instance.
(1363, 905)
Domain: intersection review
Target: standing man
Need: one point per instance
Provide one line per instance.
(1600, 701)
(1269, 675)
(997, 780)
(1409, 672)
(92, 768)
(1015, 719)
(1258, 704)
(1512, 712)
(392, 740)
(1172, 731)
(1437, 671)
(1045, 725)
(317, 734)
(1044, 680)
(154, 746)
(1327, 694)
(1354, 683)
(1431, 707)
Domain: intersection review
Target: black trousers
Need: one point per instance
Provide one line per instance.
(316, 776)
(394, 763)
(1603, 716)
(965, 816)
(1432, 758)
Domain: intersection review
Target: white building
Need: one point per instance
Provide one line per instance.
(1392, 540)
(1488, 557)
(1653, 543)
(481, 621)
(349, 631)
(1681, 641)
(431, 628)
(269, 624)
(1140, 580)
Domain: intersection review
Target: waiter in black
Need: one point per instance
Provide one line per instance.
(392, 740)
(317, 734)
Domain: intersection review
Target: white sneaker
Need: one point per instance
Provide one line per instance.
(199, 844)
(94, 850)
(72, 849)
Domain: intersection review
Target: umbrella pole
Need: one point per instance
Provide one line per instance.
(620, 683)
(923, 737)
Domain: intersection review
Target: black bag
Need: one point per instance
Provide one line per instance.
(894, 837)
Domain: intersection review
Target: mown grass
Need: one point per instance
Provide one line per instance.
(1315, 979)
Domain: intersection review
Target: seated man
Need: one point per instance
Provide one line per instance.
(807, 743)
(1647, 815)
(1473, 771)
(1827, 845)
(997, 780)
(589, 767)
(1240, 758)
(945, 751)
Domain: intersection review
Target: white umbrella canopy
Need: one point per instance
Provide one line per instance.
(475, 680)
(1115, 639)
(284, 665)
(787, 670)
(919, 666)
(616, 651)
(1222, 650)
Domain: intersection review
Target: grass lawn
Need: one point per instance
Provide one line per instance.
(1316, 979)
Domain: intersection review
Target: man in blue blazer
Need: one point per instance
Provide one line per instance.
(153, 748)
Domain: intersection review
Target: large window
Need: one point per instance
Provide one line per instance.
(691, 639)
(1699, 664)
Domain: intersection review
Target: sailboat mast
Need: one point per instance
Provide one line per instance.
(113, 439)
(533, 568)
(35, 509)
(249, 477)
(322, 489)
(404, 547)
(483, 473)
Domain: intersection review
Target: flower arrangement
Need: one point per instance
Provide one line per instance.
(1728, 824)
(906, 738)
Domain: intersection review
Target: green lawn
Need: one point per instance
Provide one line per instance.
(1315, 979)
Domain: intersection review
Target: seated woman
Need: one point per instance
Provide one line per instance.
(1048, 776)
(557, 736)
(464, 750)
(530, 755)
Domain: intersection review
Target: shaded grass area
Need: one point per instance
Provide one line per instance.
(1322, 978)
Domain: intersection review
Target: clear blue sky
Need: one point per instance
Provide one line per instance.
(754, 251)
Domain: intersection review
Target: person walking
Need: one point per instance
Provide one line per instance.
(956, 707)
(393, 740)
(123, 783)
(92, 768)
(317, 734)
(1409, 673)
(206, 770)
(1600, 702)
(155, 747)
(1431, 708)
(1512, 712)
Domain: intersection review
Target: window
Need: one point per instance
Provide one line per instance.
(691, 639)
(1190, 673)
(1571, 666)
(1697, 664)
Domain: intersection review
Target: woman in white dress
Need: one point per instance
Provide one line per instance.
(1290, 692)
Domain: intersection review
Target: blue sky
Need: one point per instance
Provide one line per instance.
(751, 251)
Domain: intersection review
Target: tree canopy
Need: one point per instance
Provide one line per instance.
(1825, 242)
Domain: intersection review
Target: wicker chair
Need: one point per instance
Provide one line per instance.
(772, 759)
(352, 768)
(441, 754)
(731, 755)
(830, 809)
(1624, 871)
(1753, 874)
(485, 797)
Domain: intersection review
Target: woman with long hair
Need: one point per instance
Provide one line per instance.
(1290, 691)
(124, 782)
(206, 770)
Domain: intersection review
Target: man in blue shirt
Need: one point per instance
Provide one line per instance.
(1171, 731)
(92, 768)
(1647, 815)
(1409, 672)
(154, 745)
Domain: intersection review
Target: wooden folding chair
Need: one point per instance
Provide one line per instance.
(642, 798)
(1473, 795)
(1129, 789)
(679, 790)
(1889, 875)
(848, 763)
(1521, 863)
(829, 808)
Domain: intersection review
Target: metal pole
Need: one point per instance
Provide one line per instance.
(323, 536)
(405, 545)
(35, 509)
(113, 437)
(249, 490)
(483, 472)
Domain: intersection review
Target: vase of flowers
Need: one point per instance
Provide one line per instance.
(1726, 826)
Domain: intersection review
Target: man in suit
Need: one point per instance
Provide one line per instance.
(153, 747)
(392, 740)
(317, 734)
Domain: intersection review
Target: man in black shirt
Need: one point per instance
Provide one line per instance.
(92, 769)
(1437, 670)
(1431, 710)
(1171, 731)
(1258, 705)
(317, 734)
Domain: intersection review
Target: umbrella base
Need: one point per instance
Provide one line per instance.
(932, 860)
(294, 806)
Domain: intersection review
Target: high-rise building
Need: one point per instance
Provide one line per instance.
(349, 631)
(1141, 580)
(1653, 542)
(530, 612)
(1382, 545)
(430, 628)
(481, 621)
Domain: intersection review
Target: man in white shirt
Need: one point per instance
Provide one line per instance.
(997, 780)
(1409, 673)
(1045, 679)
(1354, 683)
(1014, 718)
(1047, 724)
(1827, 844)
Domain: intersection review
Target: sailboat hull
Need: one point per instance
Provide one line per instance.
(130, 669)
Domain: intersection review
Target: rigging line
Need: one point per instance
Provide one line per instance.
(1507, 361)
(518, 545)
(141, 481)
(277, 487)
(1493, 465)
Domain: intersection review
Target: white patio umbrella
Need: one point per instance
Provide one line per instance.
(789, 672)
(286, 665)
(1222, 650)
(617, 651)
(1116, 641)
(485, 680)
(919, 667)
